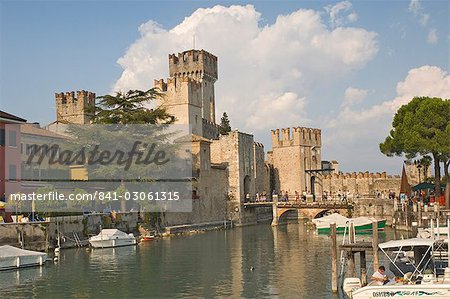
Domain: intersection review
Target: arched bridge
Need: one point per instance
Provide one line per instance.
(309, 210)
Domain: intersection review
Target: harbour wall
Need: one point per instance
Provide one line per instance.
(44, 235)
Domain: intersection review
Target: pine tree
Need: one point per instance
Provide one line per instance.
(128, 108)
(225, 127)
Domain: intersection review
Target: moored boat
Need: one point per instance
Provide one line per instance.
(12, 258)
(112, 238)
(147, 238)
(423, 279)
(361, 224)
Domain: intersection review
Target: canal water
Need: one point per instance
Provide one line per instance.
(258, 261)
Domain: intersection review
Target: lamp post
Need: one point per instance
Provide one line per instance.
(419, 166)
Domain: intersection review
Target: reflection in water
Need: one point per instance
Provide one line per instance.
(288, 261)
(12, 279)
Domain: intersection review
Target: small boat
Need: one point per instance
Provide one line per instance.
(427, 233)
(423, 279)
(361, 224)
(147, 238)
(12, 258)
(112, 238)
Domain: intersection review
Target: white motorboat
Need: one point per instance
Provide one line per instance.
(413, 291)
(423, 279)
(434, 231)
(12, 258)
(112, 238)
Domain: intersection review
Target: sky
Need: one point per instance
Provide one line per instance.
(342, 66)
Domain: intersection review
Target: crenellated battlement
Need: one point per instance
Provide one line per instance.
(175, 84)
(84, 96)
(296, 136)
(160, 84)
(71, 108)
(193, 63)
(359, 175)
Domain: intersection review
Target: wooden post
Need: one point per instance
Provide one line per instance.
(351, 264)
(352, 233)
(334, 271)
(350, 254)
(414, 229)
(362, 257)
(375, 245)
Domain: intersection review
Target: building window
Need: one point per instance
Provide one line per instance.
(12, 138)
(12, 173)
(2, 137)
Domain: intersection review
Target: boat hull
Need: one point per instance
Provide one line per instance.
(358, 228)
(112, 243)
(404, 291)
(14, 258)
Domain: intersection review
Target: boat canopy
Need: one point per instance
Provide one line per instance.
(11, 251)
(407, 243)
(335, 217)
(111, 234)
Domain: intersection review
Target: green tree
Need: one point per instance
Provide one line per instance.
(225, 127)
(422, 127)
(129, 108)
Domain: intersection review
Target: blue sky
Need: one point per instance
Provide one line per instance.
(342, 66)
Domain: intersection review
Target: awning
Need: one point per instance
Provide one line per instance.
(407, 243)
(425, 186)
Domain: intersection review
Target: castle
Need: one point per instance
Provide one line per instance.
(228, 169)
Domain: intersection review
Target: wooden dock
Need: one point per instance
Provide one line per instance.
(350, 250)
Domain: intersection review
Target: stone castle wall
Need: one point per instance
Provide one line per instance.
(363, 184)
(261, 173)
(71, 109)
(237, 150)
(292, 156)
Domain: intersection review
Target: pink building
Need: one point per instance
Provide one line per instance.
(10, 159)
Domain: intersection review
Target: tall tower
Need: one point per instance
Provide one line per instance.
(71, 109)
(189, 91)
(296, 160)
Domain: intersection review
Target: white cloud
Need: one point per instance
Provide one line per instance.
(432, 36)
(427, 80)
(265, 73)
(416, 8)
(278, 111)
(364, 128)
(336, 13)
(353, 96)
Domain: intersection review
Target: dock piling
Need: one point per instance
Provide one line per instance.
(334, 272)
(375, 245)
(350, 254)
(362, 257)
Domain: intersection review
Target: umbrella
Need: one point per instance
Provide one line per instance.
(425, 186)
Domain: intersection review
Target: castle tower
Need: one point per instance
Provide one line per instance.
(71, 109)
(189, 91)
(296, 160)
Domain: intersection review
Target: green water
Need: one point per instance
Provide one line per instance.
(289, 262)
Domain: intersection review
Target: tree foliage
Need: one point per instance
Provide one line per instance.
(129, 108)
(126, 108)
(225, 127)
(421, 127)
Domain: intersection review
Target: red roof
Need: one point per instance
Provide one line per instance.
(8, 116)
